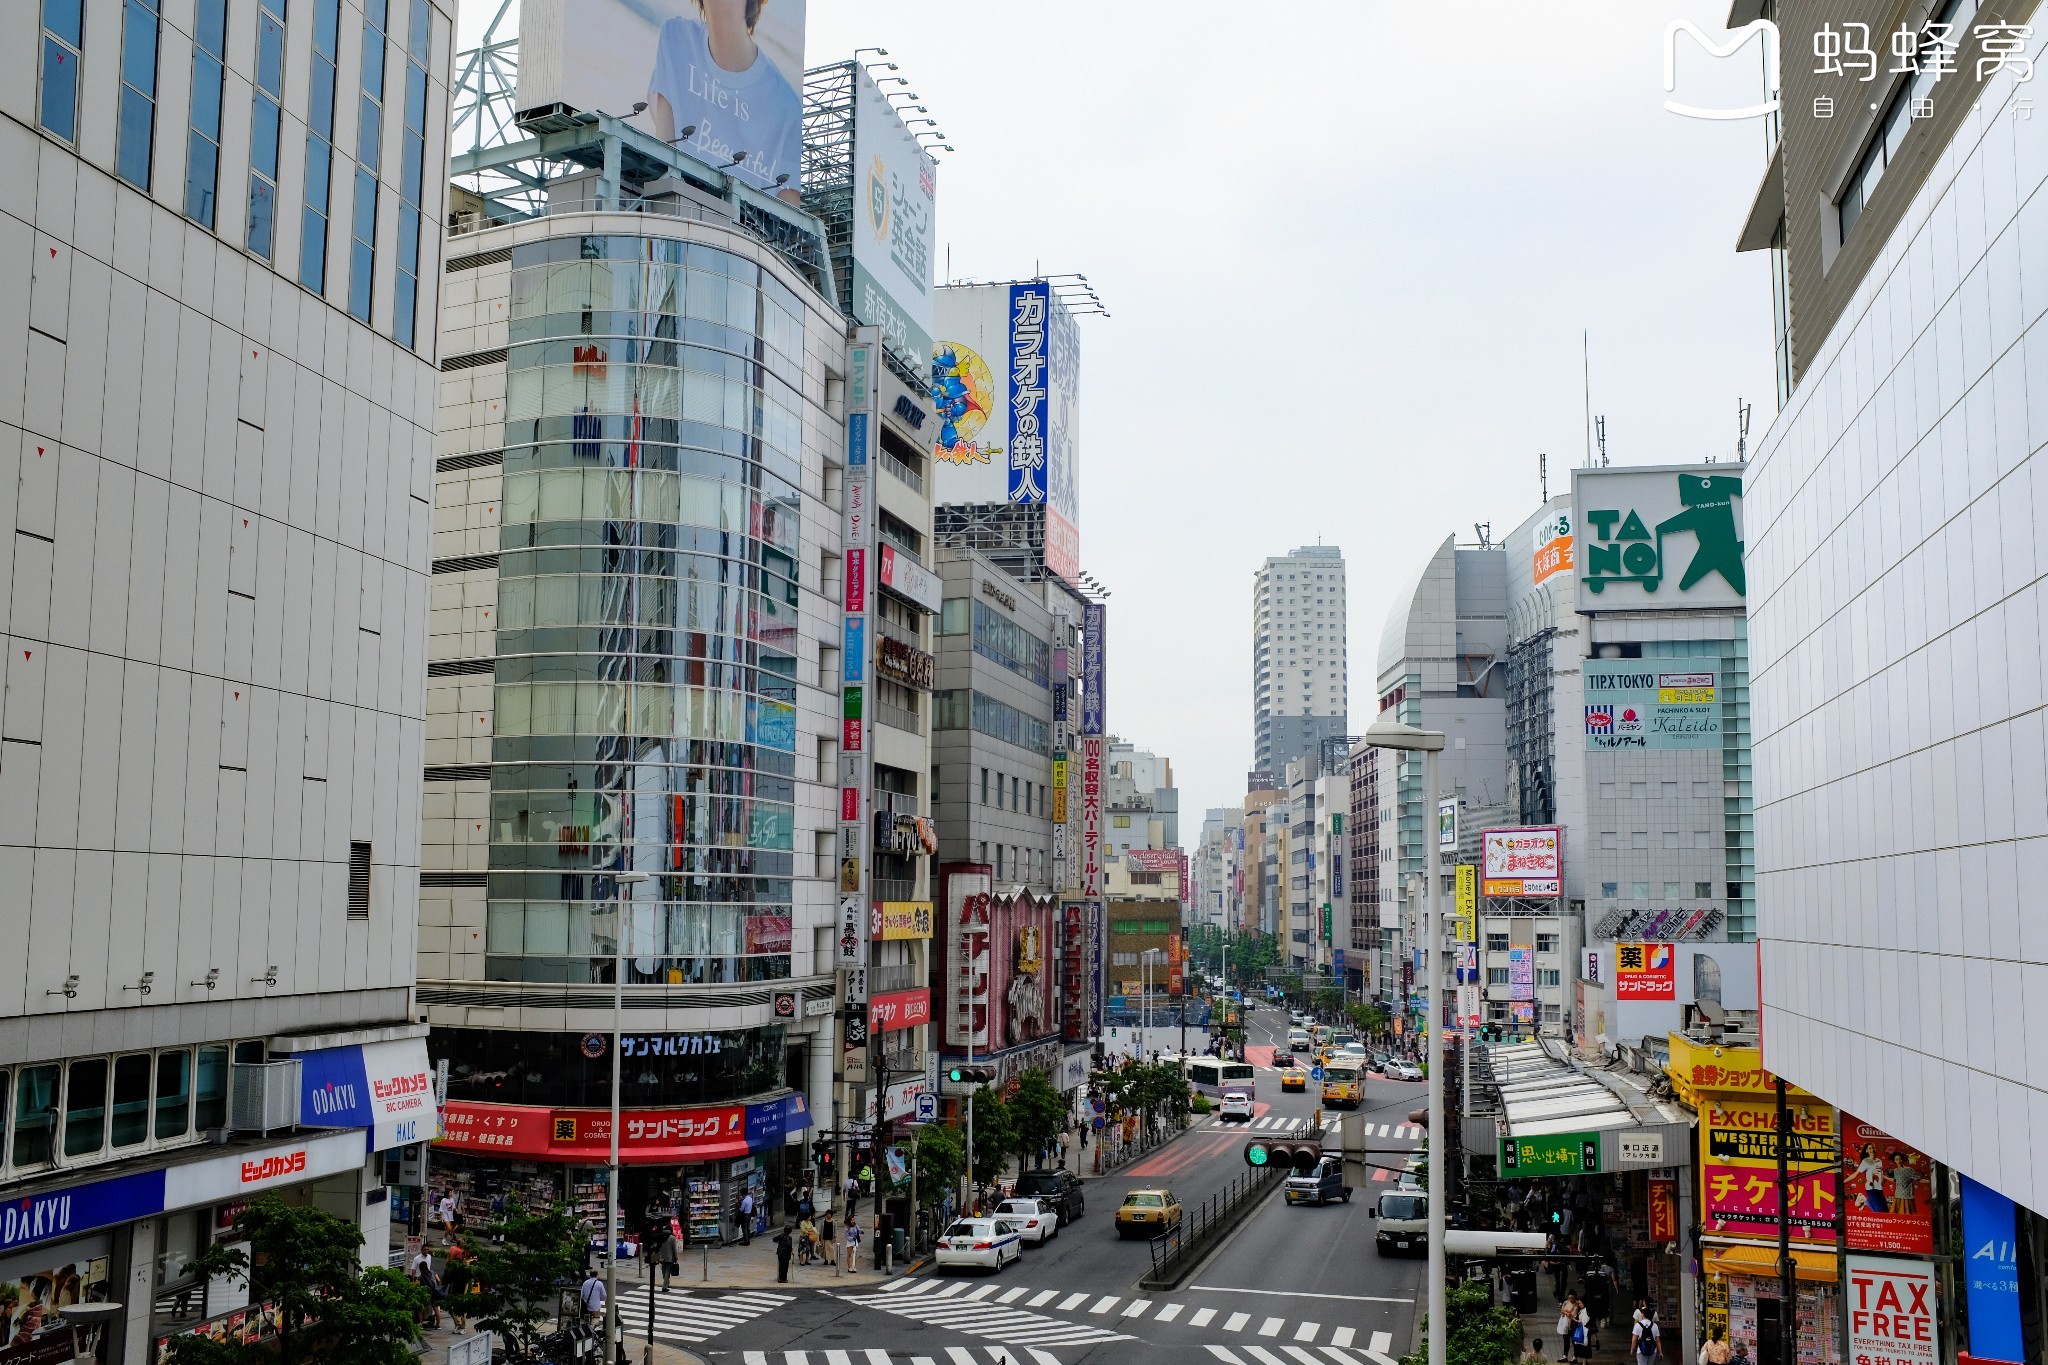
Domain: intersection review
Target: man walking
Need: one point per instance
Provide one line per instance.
(784, 1247)
(592, 1295)
(747, 1219)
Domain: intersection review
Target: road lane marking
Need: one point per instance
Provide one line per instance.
(838, 1358)
(1043, 1357)
(1013, 1295)
(1236, 1321)
(1381, 1343)
(1342, 1336)
(757, 1358)
(961, 1355)
(878, 1357)
(1262, 1354)
(980, 1293)
(1220, 1352)
(890, 1288)
(1291, 1294)
(1043, 1297)
(1271, 1327)
(1201, 1317)
(1303, 1354)
(1168, 1313)
(1069, 1301)
(1105, 1303)
(957, 1287)
(1137, 1308)
(925, 1285)
(1307, 1331)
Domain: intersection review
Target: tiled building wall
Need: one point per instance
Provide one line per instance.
(1897, 612)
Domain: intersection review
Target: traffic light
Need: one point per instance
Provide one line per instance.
(821, 1153)
(971, 1075)
(1301, 1157)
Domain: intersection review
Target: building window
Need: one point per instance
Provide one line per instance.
(984, 786)
(320, 144)
(362, 256)
(264, 119)
(210, 1088)
(129, 1122)
(1496, 976)
(1013, 794)
(1546, 943)
(1609, 890)
(202, 148)
(1496, 943)
(1547, 976)
(35, 1115)
(1899, 116)
(412, 170)
(63, 38)
(85, 1107)
(134, 144)
(1703, 889)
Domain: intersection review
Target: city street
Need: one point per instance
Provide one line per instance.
(1293, 1284)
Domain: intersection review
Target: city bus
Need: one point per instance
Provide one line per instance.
(1212, 1077)
(1341, 1087)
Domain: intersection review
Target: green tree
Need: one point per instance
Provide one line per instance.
(941, 1156)
(1328, 1000)
(1368, 1020)
(1478, 1332)
(1039, 1115)
(995, 1137)
(520, 1264)
(308, 1263)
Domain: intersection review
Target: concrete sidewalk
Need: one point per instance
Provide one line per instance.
(433, 1346)
(753, 1267)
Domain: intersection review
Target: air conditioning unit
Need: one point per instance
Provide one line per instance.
(263, 1095)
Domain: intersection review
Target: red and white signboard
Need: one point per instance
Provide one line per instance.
(1891, 1310)
(1525, 861)
(1153, 859)
(241, 1174)
(899, 1010)
(1645, 971)
(913, 581)
(707, 1133)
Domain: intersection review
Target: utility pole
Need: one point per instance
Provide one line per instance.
(1788, 1284)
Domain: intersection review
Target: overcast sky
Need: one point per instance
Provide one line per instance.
(1349, 249)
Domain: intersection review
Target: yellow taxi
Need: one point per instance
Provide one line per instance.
(1342, 1087)
(1148, 1213)
(1293, 1078)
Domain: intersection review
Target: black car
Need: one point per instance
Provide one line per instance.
(1060, 1188)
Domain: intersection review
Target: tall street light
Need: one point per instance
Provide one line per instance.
(615, 1345)
(1392, 734)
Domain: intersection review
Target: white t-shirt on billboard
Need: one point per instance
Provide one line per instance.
(754, 111)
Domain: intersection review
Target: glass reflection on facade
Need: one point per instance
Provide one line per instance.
(647, 615)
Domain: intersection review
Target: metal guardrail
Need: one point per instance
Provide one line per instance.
(1176, 1252)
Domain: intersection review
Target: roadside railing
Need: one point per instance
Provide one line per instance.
(1176, 1253)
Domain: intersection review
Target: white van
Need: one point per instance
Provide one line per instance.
(1297, 1040)
(1403, 1218)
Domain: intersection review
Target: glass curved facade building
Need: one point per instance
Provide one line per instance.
(648, 594)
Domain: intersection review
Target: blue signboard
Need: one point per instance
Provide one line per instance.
(856, 438)
(769, 1123)
(1030, 392)
(1093, 616)
(1315, 1073)
(80, 1208)
(1337, 958)
(856, 654)
(1991, 1260)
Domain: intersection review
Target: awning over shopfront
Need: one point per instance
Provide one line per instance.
(712, 1132)
(1751, 1258)
(1556, 1119)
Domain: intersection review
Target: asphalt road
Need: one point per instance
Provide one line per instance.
(1293, 1285)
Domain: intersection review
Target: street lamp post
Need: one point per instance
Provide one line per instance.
(614, 1345)
(1392, 734)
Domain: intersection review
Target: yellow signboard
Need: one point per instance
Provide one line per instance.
(906, 919)
(1468, 903)
(1059, 791)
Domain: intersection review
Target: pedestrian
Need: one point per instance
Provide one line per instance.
(1532, 1353)
(1741, 1356)
(807, 1243)
(457, 1282)
(852, 1192)
(592, 1295)
(1715, 1350)
(446, 1208)
(806, 1204)
(671, 1253)
(423, 1271)
(1649, 1339)
(1567, 1321)
(784, 1246)
(852, 1244)
(1582, 1331)
(747, 1219)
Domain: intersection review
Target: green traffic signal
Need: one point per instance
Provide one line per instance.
(955, 1075)
(1257, 1154)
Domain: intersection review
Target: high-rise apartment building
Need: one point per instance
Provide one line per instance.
(1896, 604)
(218, 443)
(1300, 686)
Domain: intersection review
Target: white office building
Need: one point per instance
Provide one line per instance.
(1300, 685)
(220, 243)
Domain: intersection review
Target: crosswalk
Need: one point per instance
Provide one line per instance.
(680, 1316)
(981, 1309)
(1376, 1351)
(950, 1355)
(1275, 1123)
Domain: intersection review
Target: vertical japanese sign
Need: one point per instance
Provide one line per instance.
(1029, 395)
(1174, 979)
(1468, 902)
(1091, 816)
(858, 544)
(1663, 1210)
(1094, 615)
(969, 958)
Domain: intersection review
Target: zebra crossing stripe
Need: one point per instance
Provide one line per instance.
(1104, 1304)
(1201, 1317)
(1307, 1331)
(1223, 1353)
(1168, 1313)
(1234, 1321)
(1342, 1336)
(1266, 1357)
(1043, 1297)
(1069, 1301)
(978, 1294)
(1271, 1327)
(1013, 1295)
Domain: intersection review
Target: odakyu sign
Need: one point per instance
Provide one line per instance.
(1659, 538)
